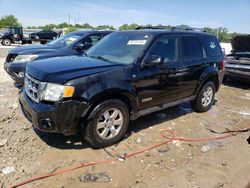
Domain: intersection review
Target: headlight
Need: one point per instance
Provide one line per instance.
(23, 58)
(55, 92)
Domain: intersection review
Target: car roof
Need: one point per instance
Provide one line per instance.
(84, 32)
(156, 32)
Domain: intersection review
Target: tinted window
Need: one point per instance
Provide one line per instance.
(165, 47)
(192, 48)
(212, 46)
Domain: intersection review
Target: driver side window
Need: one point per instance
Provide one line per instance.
(89, 41)
(166, 48)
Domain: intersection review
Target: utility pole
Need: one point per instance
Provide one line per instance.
(68, 18)
(78, 18)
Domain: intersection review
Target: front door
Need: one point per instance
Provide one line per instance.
(161, 83)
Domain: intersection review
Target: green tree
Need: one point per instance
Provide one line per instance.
(9, 21)
(62, 25)
(99, 27)
(87, 26)
(222, 33)
(70, 29)
(128, 27)
(48, 27)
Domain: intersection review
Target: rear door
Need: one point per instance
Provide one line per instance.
(195, 60)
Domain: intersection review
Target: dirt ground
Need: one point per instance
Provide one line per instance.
(216, 164)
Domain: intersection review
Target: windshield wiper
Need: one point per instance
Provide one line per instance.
(100, 57)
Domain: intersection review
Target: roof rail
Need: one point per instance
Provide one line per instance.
(149, 27)
(188, 29)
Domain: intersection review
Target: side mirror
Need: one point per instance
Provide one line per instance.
(82, 47)
(78, 48)
(153, 60)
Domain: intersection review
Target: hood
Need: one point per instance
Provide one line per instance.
(34, 49)
(62, 69)
(241, 43)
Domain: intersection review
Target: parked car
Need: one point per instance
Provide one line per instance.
(43, 36)
(238, 62)
(126, 75)
(74, 43)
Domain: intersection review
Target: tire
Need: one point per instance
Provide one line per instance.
(43, 42)
(101, 129)
(205, 98)
(6, 42)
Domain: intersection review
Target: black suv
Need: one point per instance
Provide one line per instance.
(126, 75)
(74, 43)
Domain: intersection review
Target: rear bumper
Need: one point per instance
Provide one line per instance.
(62, 117)
(238, 74)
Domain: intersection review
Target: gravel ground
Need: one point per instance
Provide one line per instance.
(4, 50)
(216, 164)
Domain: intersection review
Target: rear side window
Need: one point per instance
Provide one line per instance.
(192, 48)
(212, 46)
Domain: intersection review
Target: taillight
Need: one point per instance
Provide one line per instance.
(222, 64)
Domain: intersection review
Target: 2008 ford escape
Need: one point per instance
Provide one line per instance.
(126, 75)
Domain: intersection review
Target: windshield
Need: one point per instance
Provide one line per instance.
(65, 40)
(120, 47)
(9, 31)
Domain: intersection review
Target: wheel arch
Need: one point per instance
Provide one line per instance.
(123, 95)
(206, 77)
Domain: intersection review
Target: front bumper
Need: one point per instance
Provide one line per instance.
(13, 69)
(62, 117)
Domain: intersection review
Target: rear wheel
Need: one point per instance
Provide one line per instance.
(107, 123)
(205, 98)
(6, 42)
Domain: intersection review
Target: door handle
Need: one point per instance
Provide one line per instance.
(182, 70)
(178, 72)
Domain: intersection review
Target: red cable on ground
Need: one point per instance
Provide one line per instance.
(162, 133)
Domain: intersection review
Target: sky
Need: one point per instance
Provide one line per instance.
(232, 14)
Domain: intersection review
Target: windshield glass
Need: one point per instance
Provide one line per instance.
(65, 40)
(120, 47)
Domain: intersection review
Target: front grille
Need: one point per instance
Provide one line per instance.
(33, 87)
(10, 57)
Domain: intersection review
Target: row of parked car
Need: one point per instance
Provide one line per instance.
(95, 82)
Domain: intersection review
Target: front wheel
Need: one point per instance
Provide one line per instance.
(107, 123)
(205, 98)
(6, 42)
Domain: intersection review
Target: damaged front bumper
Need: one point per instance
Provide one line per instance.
(62, 117)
